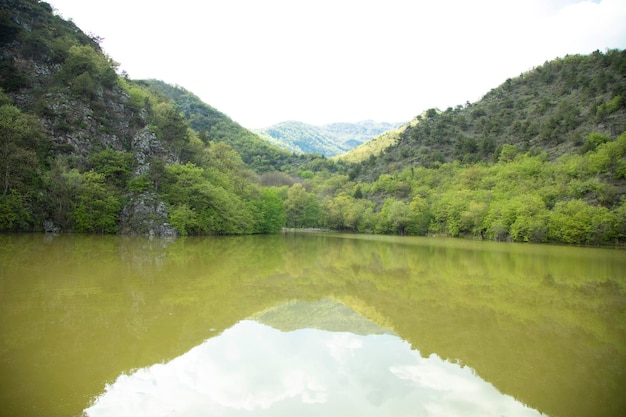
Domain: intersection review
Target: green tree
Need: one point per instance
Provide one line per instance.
(472, 218)
(171, 127)
(184, 219)
(312, 214)
(14, 212)
(84, 86)
(593, 141)
(273, 216)
(22, 146)
(116, 166)
(399, 217)
(620, 220)
(531, 219)
(507, 153)
(447, 211)
(63, 187)
(394, 217)
(156, 172)
(217, 209)
(420, 216)
(575, 221)
(608, 157)
(83, 60)
(98, 207)
(295, 205)
(360, 216)
(20, 140)
(336, 213)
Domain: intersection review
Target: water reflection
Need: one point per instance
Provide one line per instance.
(543, 324)
(255, 369)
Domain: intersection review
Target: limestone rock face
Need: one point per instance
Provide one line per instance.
(146, 214)
(146, 146)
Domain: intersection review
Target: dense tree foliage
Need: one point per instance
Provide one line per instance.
(302, 208)
(22, 148)
(541, 158)
(301, 137)
(212, 125)
(523, 197)
(553, 108)
(329, 140)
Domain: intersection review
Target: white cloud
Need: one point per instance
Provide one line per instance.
(322, 61)
(253, 369)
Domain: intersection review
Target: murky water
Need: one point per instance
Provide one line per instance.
(309, 324)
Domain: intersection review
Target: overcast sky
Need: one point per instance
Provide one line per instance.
(320, 61)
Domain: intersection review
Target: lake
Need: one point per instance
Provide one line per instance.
(309, 324)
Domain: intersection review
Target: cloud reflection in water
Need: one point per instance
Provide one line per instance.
(256, 370)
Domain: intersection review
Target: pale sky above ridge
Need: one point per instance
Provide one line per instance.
(323, 61)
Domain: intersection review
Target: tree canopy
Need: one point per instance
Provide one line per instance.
(540, 158)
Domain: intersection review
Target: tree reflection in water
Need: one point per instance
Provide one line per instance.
(257, 370)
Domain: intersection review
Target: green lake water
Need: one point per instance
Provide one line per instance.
(309, 325)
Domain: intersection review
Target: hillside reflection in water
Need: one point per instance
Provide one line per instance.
(541, 324)
(256, 370)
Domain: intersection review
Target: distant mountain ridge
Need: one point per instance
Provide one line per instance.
(540, 158)
(216, 126)
(329, 140)
(325, 314)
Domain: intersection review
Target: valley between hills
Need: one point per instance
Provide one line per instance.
(540, 158)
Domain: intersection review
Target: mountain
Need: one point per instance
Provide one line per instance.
(552, 109)
(215, 126)
(87, 150)
(375, 146)
(540, 158)
(300, 137)
(328, 140)
(354, 134)
(324, 314)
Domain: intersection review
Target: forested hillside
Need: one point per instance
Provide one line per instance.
(327, 140)
(86, 150)
(375, 146)
(213, 125)
(551, 109)
(541, 158)
(354, 134)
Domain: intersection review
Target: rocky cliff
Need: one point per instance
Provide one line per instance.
(52, 70)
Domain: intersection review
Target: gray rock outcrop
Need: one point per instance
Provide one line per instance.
(145, 214)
